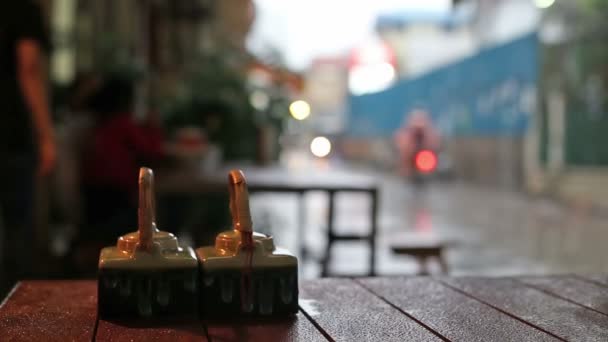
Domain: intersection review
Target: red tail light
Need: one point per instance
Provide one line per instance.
(425, 161)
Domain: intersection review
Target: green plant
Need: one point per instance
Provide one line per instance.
(213, 95)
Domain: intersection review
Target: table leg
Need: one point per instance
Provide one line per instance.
(300, 236)
(330, 235)
(374, 228)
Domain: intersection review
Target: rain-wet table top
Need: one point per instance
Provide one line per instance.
(568, 307)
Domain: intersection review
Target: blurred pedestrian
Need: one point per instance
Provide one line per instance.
(27, 144)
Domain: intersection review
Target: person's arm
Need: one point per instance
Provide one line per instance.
(32, 80)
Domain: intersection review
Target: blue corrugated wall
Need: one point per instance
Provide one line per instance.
(491, 93)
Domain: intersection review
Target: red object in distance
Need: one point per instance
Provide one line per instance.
(425, 161)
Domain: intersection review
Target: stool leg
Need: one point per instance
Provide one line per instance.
(423, 268)
(442, 263)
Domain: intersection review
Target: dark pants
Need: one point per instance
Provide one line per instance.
(109, 213)
(17, 172)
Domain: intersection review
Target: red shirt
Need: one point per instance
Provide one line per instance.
(119, 147)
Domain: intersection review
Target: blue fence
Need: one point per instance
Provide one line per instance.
(491, 93)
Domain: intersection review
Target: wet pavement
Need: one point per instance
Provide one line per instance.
(488, 231)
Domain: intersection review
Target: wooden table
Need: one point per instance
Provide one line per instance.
(279, 180)
(572, 308)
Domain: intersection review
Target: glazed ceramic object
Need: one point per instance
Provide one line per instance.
(244, 273)
(147, 273)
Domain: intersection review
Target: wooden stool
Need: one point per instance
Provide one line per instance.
(423, 248)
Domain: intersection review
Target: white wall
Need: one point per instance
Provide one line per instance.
(424, 47)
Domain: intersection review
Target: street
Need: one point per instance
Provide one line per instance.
(488, 231)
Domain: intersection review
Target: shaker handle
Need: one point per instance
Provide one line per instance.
(239, 206)
(146, 215)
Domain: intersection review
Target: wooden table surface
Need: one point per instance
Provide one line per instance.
(566, 308)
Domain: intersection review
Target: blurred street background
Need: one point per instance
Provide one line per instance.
(481, 123)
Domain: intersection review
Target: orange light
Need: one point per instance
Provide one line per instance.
(426, 161)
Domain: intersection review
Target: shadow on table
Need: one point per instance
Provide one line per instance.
(142, 329)
(250, 329)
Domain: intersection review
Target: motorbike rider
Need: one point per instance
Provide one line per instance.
(417, 133)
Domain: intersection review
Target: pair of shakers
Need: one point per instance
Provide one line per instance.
(149, 274)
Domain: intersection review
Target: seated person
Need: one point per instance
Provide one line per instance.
(117, 147)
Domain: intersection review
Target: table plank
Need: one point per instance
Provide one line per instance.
(50, 311)
(557, 316)
(157, 330)
(296, 328)
(348, 312)
(450, 313)
(588, 294)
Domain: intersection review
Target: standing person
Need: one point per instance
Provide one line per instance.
(27, 145)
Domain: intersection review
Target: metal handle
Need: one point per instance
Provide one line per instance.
(146, 212)
(239, 206)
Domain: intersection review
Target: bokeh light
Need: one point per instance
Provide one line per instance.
(320, 147)
(300, 109)
(544, 3)
(259, 100)
(371, 78)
